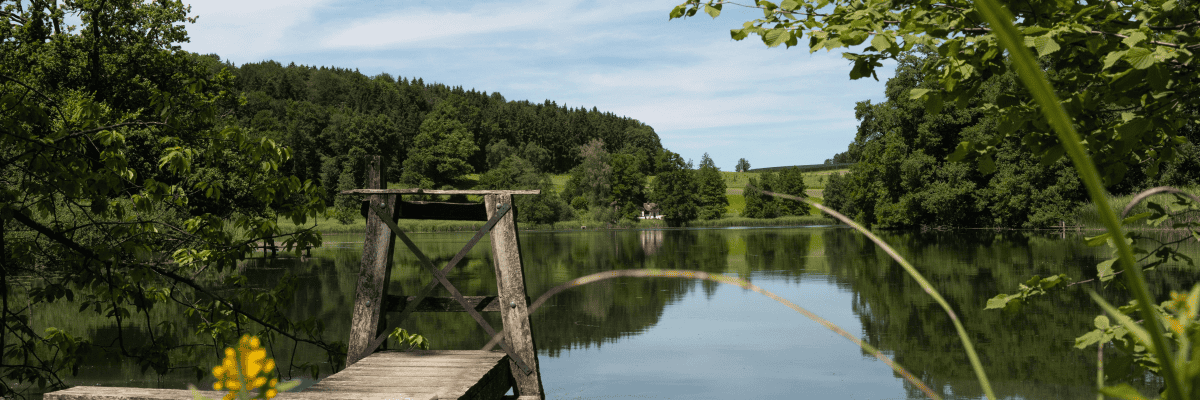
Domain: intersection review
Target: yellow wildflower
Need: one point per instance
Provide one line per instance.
(246, 370)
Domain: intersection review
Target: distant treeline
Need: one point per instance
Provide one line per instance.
(328, 116)
(805, 168)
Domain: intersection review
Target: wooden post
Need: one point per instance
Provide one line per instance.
(373, 271)
(514, 311)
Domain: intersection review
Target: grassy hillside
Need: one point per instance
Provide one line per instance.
(735, 182)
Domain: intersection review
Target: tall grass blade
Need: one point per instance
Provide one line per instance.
(962, 332)
(1000, 19)
(744, 284)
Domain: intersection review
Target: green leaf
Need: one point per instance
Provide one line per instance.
(1089, 339)
(933, 103)
(1112, 58)
(1139, 58)
(999, 301)
(1098, 239)
(986, 164)
(961, 151)
(1045, 45)
(676, 12)
(1132, 131)
(776, 37)
(1134, 39)
(1053, 154)
(1136, 217)
(738, 34)
(1138, 332)
(789, 4)
(917, 93)
(1104, 270)
(712, 11)
(1123, 391)
(288, 385)
(1101, 322)
(881, 42)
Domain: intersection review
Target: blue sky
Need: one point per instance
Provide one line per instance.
(699, 89)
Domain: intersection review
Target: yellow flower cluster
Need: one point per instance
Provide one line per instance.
(246, 370)
(1182, 304)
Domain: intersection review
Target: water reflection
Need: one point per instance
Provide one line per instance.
(1027, 354)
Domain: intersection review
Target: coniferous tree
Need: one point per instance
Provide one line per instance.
(790, 181)
(345, 208)
(711, 186)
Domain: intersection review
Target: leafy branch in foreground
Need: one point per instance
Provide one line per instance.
(1035, 81)
(1128, 67)
(125, 189)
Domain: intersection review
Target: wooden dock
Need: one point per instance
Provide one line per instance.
(442, 374)
(395, 375)
(415, 375)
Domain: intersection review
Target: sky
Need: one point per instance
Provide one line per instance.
(701, 91)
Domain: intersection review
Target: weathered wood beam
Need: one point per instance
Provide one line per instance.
(374, 270)
(510, 281)
(444, 304)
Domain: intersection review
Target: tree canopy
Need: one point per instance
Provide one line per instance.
(125, 185)
(439, 153)
(675, 192)
(711, 186)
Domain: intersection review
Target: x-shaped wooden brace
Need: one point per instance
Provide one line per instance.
(440, 278)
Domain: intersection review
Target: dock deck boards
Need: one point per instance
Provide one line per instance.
(391, 375)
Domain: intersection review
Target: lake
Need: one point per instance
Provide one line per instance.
(661, 338)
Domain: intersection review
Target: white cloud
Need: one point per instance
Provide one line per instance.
(246, 31)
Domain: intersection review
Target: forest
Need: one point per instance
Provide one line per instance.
(910, 170)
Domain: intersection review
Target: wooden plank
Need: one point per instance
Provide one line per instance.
(397, 303)
(434, 191)
(374, 269)
(392, 355)
(462, 374)
(510, 281)
(123, 393)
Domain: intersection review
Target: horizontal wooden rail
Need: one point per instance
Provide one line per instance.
(445, 304)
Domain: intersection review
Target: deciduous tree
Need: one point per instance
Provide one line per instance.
(439, 154)
(742, 165)
(675, 192)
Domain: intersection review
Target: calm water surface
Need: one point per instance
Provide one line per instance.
(658, 338)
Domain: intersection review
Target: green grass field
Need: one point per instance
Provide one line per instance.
(735, 181)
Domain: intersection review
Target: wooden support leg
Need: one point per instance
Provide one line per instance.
(374, 270)
(514, 311)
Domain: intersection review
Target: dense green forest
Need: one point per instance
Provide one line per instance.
(330, 115)
(904, 176)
